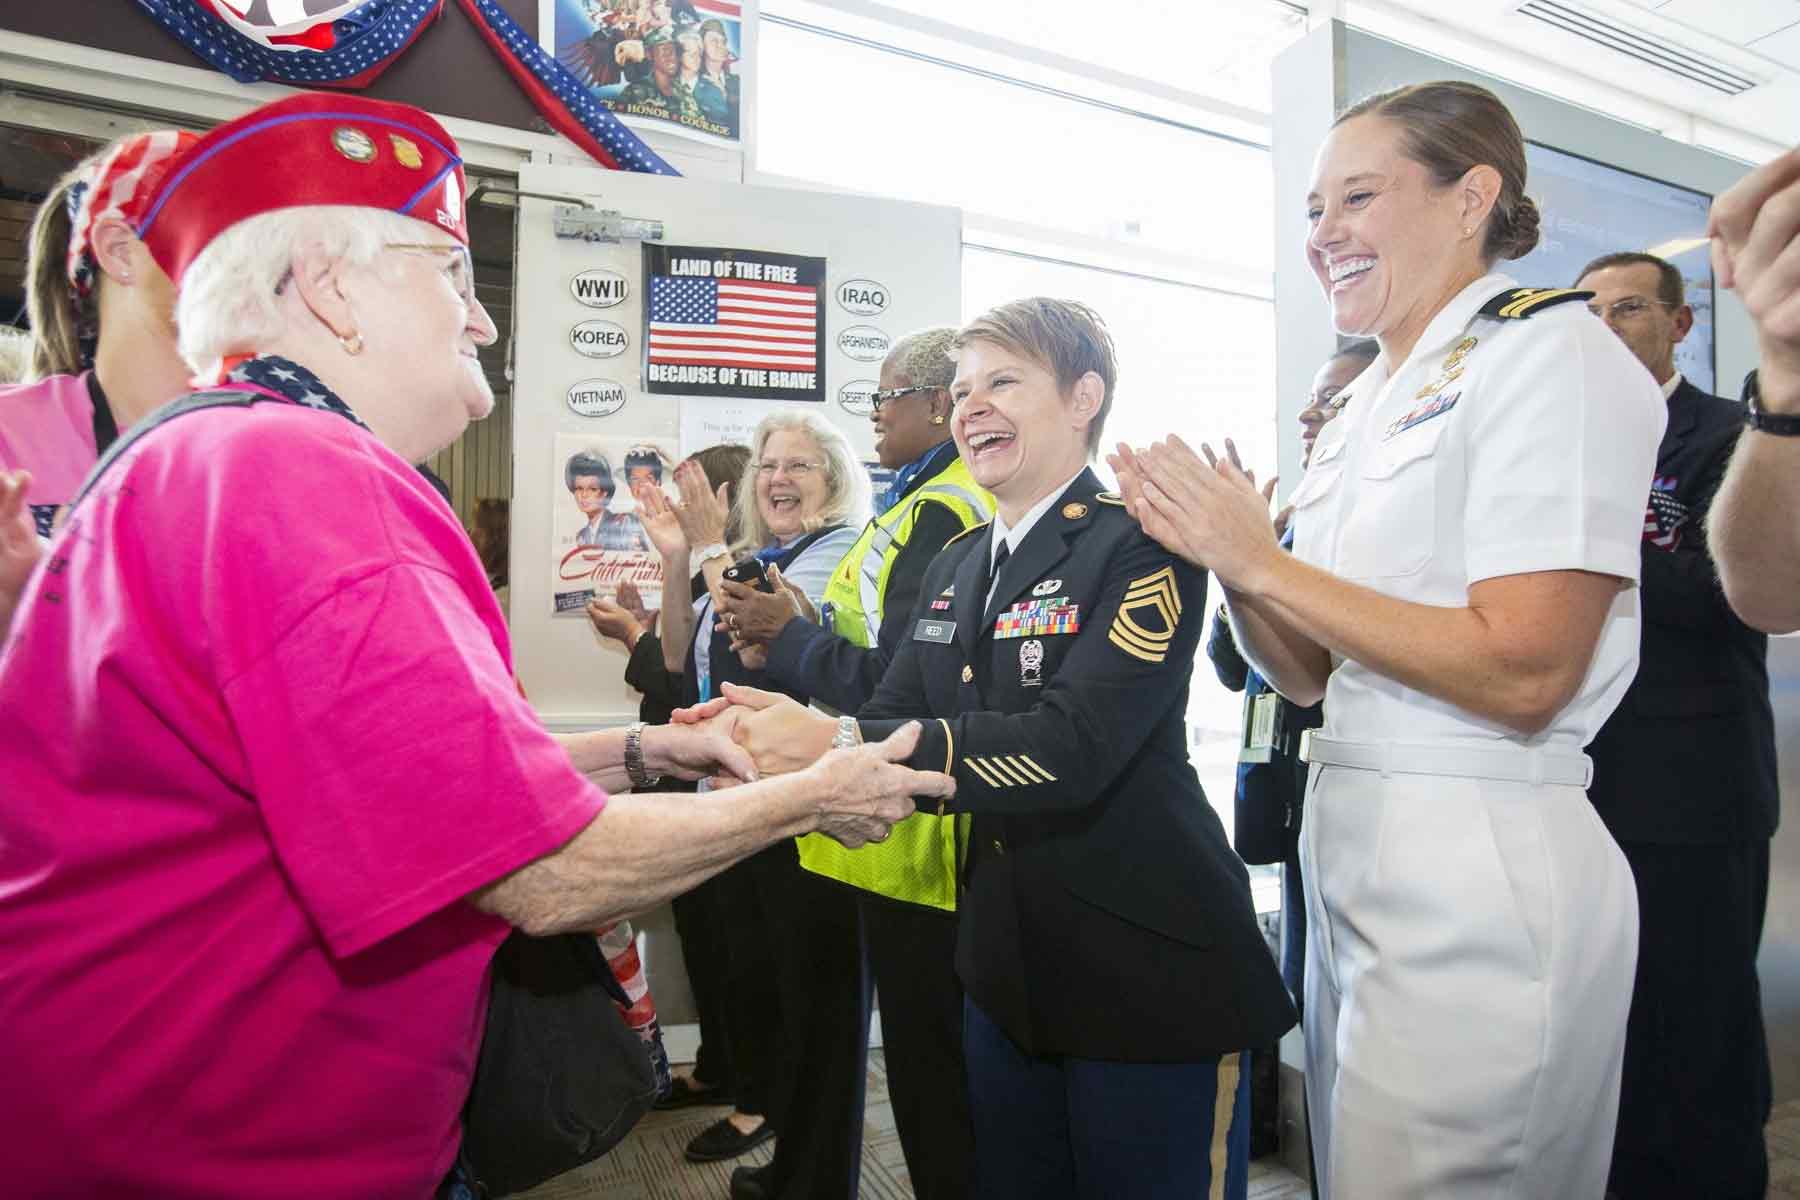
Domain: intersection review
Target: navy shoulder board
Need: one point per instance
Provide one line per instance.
(1519, 303)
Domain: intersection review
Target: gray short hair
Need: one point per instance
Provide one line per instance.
(846, 483)
(228, 300)
(926, 358)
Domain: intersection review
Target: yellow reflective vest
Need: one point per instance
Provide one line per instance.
(921, 859)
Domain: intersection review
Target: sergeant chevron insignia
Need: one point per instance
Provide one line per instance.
(1147, 616)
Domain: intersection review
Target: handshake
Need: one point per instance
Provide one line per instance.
(857, 793)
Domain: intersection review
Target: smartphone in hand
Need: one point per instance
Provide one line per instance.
(749, 571)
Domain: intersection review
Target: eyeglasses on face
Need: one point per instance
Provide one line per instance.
(877, 399)
(1628, 309)
(460, 268)
(795, 468)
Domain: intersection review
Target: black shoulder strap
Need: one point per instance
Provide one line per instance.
(196, 402)
(1519, 303)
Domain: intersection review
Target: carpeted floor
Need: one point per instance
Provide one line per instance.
(648, 1165)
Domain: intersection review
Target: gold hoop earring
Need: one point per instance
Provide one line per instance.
(1467, 232)
(351, 342)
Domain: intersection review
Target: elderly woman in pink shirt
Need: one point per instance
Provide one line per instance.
(272, 796)
(103, 341)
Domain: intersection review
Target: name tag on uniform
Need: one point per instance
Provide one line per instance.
(934, 631)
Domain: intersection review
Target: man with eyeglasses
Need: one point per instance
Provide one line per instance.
(1684, 777)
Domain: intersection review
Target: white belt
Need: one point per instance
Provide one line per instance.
(1512, 763)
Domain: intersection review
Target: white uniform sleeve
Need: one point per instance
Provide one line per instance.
(1562, 453)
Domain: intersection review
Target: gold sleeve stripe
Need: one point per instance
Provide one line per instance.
(1033, 764)
(1163, 580)
(1014, 778)
(975, 765)
(949, 748)
(1113, 637)
(1169, 619)
(1149, 643)
(1030, 775)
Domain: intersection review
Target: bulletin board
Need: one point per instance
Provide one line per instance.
(751, 299)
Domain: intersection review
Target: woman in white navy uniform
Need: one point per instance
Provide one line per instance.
(1461, 595)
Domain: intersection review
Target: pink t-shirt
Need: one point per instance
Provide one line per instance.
(47, 428)
(261, 738)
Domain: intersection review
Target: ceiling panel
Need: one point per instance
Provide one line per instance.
(1784, 48)
(1739, 22)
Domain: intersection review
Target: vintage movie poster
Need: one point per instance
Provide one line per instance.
(597, 541)
(746, 324)
(676, 65)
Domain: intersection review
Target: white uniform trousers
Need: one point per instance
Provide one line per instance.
(1470, 962)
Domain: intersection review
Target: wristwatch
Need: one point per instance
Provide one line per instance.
(1777, 424)
(634, 758)
(716, 550)
(848, 736)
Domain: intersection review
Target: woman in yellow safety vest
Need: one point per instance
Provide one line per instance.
(908, 899)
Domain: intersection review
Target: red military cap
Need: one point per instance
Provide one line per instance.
(312, 148)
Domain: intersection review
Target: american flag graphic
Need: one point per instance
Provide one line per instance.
(733, 323)
(1664, 515)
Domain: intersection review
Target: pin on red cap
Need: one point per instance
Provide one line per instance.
(307, 149)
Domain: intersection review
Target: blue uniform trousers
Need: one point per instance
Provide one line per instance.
(1081, 1129)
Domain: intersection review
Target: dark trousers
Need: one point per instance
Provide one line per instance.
(748, 926)
(912, 952)
(1081, 1129)
(824, 992)
(698, 923)
(1696, 1089)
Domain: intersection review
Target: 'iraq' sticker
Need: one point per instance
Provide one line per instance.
(934, 631)
(864, 297)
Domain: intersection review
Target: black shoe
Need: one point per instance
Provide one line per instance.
(683, 1094)
(752, 1183)
(722, 1140)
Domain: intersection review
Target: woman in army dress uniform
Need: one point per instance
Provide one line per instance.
(1114, 972)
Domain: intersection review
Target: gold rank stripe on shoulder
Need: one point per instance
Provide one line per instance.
(1154, 599)
(965, 533)
(1009, 770)
(1519, 303)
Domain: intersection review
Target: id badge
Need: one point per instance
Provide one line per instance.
(1261, 714)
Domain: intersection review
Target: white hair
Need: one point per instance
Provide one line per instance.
(846, 483)
(229, 299)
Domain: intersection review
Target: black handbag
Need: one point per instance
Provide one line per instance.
(561, 1078)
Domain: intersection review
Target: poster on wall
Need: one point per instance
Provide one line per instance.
(746, 324)
(675, 65)
(597, 541)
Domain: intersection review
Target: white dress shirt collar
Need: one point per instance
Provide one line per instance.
(1669, 387)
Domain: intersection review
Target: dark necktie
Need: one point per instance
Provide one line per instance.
(994, 573)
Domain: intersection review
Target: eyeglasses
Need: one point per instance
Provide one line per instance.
(461, 269)
(1628, 309)
(877, 399)
(796, 468)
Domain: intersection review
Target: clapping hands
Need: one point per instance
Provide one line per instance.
(1204, 508)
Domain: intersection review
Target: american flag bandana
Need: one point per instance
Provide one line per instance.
(1664, 515)
(117, 185)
